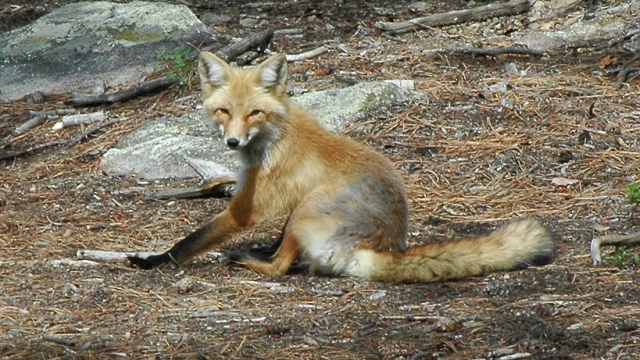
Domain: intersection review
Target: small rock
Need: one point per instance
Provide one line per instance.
(249, 22)
(576, 326)
(506, 103)
(36, 98)
(418, 7)
(184, 285)
(177, 337)
(511, 69)
(499, 87)
(377, 296)
(447, 324)
(501, 352)
(98, 88)
(309, 341)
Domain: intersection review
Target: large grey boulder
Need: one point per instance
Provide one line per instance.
(81, 45)
(162, 148)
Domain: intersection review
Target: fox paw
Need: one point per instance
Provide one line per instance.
(239, 256)
(149, 262)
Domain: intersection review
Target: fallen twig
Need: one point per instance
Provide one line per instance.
(101, 255)
(67, 142)
(259, 40)
(56, 112)
(30, 124)
(214, 188)
(598, 242)
(408, 317)
(86, 119)
(307, 55)
(58, 340)
(626, 70)
(519, 50)
(457, 17)
(145, 87)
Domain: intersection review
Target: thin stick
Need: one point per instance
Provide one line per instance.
(30, 124)
(307, 55)
(518, 50)
(58, 340)
(259, 40)
(598, 242)
(68, 142)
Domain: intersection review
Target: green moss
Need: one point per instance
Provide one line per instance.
(130, 33)
(633, 190)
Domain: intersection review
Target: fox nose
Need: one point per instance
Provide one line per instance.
(233, 142)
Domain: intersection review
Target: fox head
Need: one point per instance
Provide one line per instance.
(244, 103)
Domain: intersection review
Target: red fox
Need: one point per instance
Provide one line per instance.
(346, 203)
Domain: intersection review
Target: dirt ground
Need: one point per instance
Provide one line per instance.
(556, 141)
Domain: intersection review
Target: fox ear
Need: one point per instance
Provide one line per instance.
(274, 71)
(212, 70)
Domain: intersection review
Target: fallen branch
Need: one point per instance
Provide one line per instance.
(54, 113)
(514, 49)
(67, 142)
(457, 17)
(38, 118)
(626, 70)
(30, 124)
(101, 255)
(145, 87)
(260, 40)
(218, 188)
(72, 263)
(58, 340)
(617, 240)
(83, 119)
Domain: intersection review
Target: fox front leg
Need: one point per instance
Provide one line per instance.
(212, 234)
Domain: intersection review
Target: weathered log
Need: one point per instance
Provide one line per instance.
(484, 12)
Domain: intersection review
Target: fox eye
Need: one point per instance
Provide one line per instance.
(255, 112)
(223, 111)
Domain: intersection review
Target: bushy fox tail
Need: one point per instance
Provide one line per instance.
(518, 245)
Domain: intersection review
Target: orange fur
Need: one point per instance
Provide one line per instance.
(346, 203)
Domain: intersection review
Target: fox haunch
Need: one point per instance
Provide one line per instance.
(346, 203)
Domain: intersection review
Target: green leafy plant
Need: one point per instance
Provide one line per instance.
(179, 64)
(622, 258)
(633, 190)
